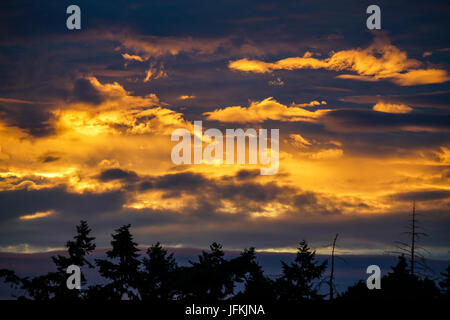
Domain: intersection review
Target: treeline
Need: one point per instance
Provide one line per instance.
(157, 277)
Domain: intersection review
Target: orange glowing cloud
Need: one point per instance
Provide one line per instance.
(186, 97)
(391, 108)
(37, 215)
(268, 109)
(326, 154)
(127, 56)
(119, 112)
(155, 73)
(305, 147)
(309, 104)
(299, 141)
(381, 60)
(421, 76)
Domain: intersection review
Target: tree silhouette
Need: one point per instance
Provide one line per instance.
(257, 286)
(445, 284)
(157, 278)
(399, 284)
(331, 281)
(78, 249)
(412, 249)
(124, 274)
(300, 279)
(209, 279)
(53, 284)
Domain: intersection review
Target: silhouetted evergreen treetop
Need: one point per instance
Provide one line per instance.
(53, 284)
(400, 284)
(37, 288)
(78, 249)
(157, 279)
(212, 277)
(301, 279)
(257, 286)
(124, 274)
(445, 283)
(208, 279)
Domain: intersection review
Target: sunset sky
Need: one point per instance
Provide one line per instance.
(86, 118)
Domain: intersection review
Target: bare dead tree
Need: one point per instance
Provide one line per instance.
(331, 283)
(412, 249)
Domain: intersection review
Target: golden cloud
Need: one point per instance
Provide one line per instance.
(309, 104)
(422, 76)
(155, 73)
(121, 130)
(128, 132)
(299, 141)
(381, 60)
(37, 215)
(127, 56)
(119, 112)
(267, 109)
(326, 154)
(391, 108)
(186, 97)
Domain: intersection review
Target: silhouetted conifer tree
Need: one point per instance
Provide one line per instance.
(399, 284)
(157, 281)
(445, 284)
(53, 284)
(157, 277)
(124, 274)
(81, 246)
(257, 286)
(300, 280)
(208, 279)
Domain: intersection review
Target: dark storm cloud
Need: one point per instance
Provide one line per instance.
(378, 232)
(84, 91)
(248, 195)
(307, 199)
(394, 143)
(184, 181)
(208, 194)
(439, 99)
(33, 118)
(50, 157)
(15, 203)
(254, 191)
(117, 174)
(247, 174)
(228, 188)
(372, 121)
(423, 195)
